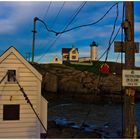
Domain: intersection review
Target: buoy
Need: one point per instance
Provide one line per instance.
(104, 68)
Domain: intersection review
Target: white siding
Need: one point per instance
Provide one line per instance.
(27, 126)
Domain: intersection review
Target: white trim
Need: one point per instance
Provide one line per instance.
(20, 57)
(17, 75)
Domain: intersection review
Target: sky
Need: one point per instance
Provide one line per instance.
(16, 22)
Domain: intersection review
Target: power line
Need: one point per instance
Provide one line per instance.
(77, 12)
(57, 33)
(61, 8)
(93, 23)
(66, 26)
(114, 27)
(97, 62)
(58, 14)
(84, 25)
(45, 16)
(46, 13)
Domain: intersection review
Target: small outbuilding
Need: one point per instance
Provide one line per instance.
(17, 119)
(56, 60)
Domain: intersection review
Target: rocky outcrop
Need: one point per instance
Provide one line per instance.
(67, 81)
(50, 83)
(60, 131)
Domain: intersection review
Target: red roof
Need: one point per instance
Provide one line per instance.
(67, 50)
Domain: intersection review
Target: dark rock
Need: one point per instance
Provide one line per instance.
(54, 133)
(51, 124)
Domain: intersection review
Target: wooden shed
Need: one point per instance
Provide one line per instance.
(17, 119)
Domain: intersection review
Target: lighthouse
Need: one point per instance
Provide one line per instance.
(93, 52)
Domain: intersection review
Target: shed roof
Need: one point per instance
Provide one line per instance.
(21, 58)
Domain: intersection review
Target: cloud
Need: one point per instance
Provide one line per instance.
(16, 22)
(20, 14)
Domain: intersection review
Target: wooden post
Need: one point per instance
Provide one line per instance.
(33, 42)
(130, 48)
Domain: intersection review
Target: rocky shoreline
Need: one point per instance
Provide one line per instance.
(63, 131)
(60, 81)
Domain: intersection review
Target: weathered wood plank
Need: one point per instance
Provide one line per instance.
(13, 135)
(8, 66)
(16, 88)
(28, 79)
(12, 56)
(18, 93)
(22, 102)
(11, 61)
(24, 70)
(12, 98)
(16, 124)
(29, 74)
(16, 130)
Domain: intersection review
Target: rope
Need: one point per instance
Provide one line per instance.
(3, 78)
(29, 102)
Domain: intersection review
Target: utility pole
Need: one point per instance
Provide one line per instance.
(33, 42)
(129, 47)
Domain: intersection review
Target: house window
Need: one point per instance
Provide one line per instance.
(74, 52)
(11, 75)
(11, 112)
(73, 57)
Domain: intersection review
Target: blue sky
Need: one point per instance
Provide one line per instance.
(16, 22)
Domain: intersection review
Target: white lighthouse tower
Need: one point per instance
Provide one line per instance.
(93, 52)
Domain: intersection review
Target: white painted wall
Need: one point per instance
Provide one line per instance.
(27, 126)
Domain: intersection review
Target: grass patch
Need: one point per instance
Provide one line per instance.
(93, 68)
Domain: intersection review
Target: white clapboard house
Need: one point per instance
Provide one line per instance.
(17, 119)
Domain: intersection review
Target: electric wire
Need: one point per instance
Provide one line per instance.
(57, 33)
(47, 10)
(90, 24)
(109, 44)
(84, 25)
(43, 18)
(61, 8)
(88, 112)
(97, 62)
(78, 10)
(76, 14)
(114, 27)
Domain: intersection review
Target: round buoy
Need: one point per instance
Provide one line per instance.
(104, 68)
